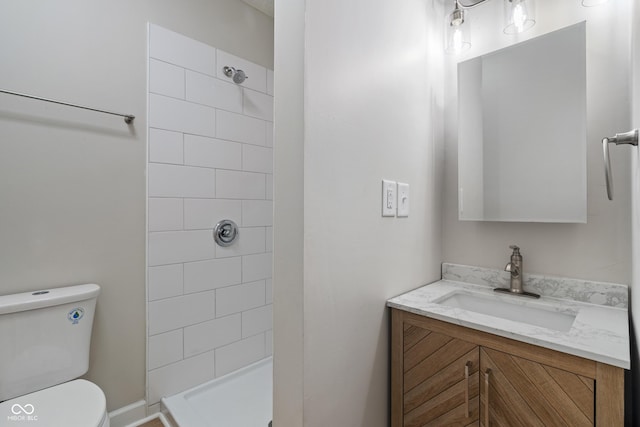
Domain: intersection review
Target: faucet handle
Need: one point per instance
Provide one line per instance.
(516, 250)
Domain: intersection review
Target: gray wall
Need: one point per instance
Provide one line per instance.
(371, 94)
(600, 249)
(73, 182)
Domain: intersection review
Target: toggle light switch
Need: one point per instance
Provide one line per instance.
(388, 198)
(403, 199)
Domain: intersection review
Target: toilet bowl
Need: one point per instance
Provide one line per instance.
(77, 403)
(45, 337)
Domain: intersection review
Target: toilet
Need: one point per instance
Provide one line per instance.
(44, 347)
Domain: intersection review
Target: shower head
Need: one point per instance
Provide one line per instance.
(238, 76)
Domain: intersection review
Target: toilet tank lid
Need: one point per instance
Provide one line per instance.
(47, 298)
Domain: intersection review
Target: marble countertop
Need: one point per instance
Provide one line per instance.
(600, 331)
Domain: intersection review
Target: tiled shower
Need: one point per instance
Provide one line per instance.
(210, 158)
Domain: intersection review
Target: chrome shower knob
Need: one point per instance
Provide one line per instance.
(225, 232)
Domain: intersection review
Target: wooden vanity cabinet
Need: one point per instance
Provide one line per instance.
(448, 375)
(520, 392)
(439, 379)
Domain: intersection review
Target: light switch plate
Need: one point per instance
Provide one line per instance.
(388, 198)
(403, 199)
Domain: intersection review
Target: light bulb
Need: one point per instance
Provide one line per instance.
(519, 18)
(457, 40)
(518, 15)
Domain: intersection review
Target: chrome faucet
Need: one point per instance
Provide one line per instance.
(515, 268)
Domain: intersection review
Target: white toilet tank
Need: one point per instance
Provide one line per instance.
(45, 337)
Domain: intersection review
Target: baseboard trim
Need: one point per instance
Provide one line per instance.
(128, 414)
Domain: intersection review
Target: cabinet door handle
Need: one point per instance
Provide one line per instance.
(487, 375)
(467, 366)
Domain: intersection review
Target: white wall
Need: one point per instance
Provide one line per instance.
(372, 110)
(210, 159)
(288, 221)
(600, 249)
(635, 194)
(73, 182)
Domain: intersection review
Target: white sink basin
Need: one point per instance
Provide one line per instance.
(517, 310)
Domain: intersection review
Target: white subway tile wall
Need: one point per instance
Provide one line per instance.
(182, 116)
(236, 127)
(210, 158)
(269, 239)
(270, 82)
(181, 375)
(166, 147)
(165, 281)
(166, 79)
(165, 214)
(240, 353)
(165, 348)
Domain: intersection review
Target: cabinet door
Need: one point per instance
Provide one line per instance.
(440, 379)
(518, 392)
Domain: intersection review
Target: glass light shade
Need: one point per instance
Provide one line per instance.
(519, 16)
(589, 3)
(457, 32)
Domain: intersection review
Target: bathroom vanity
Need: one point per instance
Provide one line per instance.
(464, 355)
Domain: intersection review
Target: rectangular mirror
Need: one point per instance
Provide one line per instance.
(522, 131)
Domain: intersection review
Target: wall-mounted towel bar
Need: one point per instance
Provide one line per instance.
(630, 138)
(128, 118)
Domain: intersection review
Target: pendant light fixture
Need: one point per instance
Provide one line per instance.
(457, 31)
(519, 16)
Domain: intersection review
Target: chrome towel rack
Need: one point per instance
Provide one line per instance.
(630, 138)
(128, 118)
